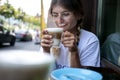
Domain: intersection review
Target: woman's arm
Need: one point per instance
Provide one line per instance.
(74, 59)
(69, 40)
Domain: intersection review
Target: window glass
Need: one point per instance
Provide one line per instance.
(110, 31)
(1, 30)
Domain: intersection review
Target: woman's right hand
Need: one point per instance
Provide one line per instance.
(46, 41)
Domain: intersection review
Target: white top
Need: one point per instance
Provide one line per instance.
(89, 51)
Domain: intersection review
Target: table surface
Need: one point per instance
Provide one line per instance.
(107, 73)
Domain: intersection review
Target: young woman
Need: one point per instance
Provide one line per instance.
(82, 45)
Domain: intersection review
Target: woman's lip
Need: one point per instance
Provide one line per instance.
(61, 26)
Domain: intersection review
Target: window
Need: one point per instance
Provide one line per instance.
(110, 30)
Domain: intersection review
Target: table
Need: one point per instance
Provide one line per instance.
(107, 73)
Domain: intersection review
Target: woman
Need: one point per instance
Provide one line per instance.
(83, 46)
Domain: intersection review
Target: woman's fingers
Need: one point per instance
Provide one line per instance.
(46, 42)
(68, 43)
(44, 32)
(68, 39)
(67, 36)
(47, 36)
(46, 39)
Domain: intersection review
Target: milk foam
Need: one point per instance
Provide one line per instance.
(19, 57)
(54, 29)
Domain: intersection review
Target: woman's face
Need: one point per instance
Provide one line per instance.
(64, 18)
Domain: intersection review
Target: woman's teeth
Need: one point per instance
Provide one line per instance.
(61, 25)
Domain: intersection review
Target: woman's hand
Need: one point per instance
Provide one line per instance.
(69, 40)
(46, 41)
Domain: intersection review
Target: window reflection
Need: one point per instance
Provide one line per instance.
(110, 30)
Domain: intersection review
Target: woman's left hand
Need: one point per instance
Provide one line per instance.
(69, 40)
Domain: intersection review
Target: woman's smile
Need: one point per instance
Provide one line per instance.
(61, 25)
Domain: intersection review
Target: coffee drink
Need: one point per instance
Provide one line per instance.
(25, 65)
(55, 51)
(56, 34)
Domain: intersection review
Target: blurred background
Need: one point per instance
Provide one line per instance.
(20, 19)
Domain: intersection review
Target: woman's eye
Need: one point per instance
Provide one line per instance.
(54, 15)
(65, 14)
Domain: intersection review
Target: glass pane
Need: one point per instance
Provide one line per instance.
(110, 30)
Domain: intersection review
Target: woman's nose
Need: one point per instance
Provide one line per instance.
(60, 19)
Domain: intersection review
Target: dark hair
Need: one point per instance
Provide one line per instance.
(74, 6)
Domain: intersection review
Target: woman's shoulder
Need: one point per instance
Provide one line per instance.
(87, 35)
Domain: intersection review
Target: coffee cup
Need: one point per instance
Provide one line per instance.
(56, 34)
(25, 65)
